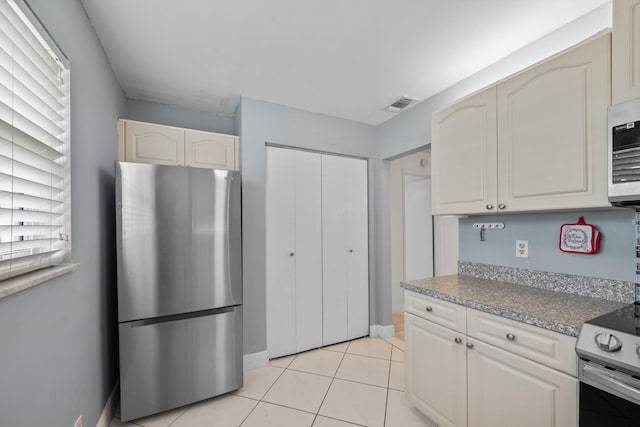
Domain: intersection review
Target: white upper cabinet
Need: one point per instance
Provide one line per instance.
(149, 143)
(535, 142)
(210, 150)
(166, 145)
(626, 50)
(463, 150)
(552, 132)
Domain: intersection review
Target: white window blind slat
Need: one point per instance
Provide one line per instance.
(34, 145)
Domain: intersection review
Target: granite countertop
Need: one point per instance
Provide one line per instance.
(556, 311)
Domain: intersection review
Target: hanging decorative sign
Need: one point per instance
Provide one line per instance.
(579, 238)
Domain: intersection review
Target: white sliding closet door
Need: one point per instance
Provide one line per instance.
(280, 245)
(308, 252)
(293, 251)
(357, 249)
(344, 248)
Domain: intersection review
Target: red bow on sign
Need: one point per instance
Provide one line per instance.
(579, 238)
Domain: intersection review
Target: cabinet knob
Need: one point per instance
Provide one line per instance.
(511, 337)
(291, 254)
(429, 309)
(489, 207)
(502, 206)
(469, 345)
(458, 340)
(350, 250)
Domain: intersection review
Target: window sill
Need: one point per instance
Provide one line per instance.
(25, 281)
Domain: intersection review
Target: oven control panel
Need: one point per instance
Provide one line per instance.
(617, 348)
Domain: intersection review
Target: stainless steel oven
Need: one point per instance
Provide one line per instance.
(609, 369)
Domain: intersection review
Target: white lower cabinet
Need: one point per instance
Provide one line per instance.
(436, 364)
(505, 390)
(458, 380)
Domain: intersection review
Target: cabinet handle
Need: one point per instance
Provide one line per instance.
(458, 340)
(429, 309)
(469, 345)
(291, 254)
(489, 207)
(350, 250)
(502, 206)
(511, 337)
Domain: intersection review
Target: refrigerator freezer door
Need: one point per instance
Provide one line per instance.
(178, 240)
(172, 363)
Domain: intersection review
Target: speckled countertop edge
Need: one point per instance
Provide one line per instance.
(552, 310)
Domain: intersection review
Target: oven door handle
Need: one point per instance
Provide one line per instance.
(619, 381)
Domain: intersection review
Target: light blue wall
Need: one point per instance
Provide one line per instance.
(615, 260)
(411, 130)
(261, 123)
(172, 115)
(58, 340)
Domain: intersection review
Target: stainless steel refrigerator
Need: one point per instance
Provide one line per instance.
(179, 285)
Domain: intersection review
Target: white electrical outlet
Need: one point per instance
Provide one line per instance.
(78, 422)
(522, 248)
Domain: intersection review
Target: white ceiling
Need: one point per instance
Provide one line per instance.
(343, 58)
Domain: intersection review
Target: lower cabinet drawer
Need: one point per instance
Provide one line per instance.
(547, 347)
(443, 313)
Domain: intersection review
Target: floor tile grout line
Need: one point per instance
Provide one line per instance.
(265, 393)
(386, 403)
(330, 384)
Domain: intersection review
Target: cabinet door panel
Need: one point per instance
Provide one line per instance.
(334, 249)
(280, 245)
(505, 390)
(308, 250)
(463, 147)
(210, 150)
(626, 50)
(357, 249)
(153, 144)
(436, 371)
(552, 132)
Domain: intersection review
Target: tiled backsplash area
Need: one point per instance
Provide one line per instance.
(614, 290)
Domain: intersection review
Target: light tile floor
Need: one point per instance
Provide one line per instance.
(357, 383)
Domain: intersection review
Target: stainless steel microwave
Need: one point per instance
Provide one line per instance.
(624, 153)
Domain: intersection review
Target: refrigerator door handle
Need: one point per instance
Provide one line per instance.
(181, 316)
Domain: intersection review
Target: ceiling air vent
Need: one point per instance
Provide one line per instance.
(401, 104)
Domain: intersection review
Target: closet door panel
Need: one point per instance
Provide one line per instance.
(280, 252)
(308, 253)
(357, 248)
(334, 249)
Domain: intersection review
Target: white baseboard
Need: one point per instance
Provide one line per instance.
(107, 411)
(382, 331)
(256, 360)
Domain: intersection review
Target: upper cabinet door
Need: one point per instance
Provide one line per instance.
(552, 132)
(210, 150)
(147, 143)
(626, 50)
(463, 147)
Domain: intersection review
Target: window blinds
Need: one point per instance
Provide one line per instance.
(34, 144)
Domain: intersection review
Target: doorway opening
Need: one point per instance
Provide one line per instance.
(422, 245)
